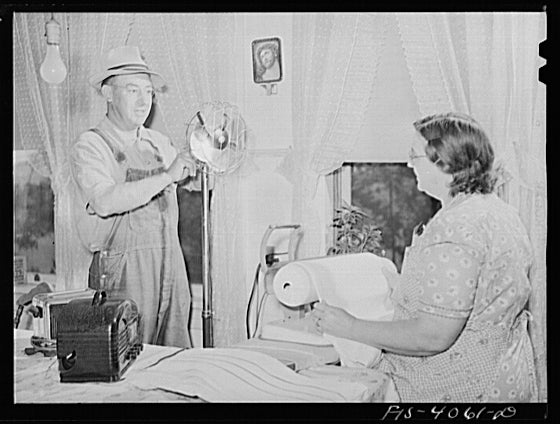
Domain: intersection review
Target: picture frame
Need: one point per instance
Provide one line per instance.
(267, 60)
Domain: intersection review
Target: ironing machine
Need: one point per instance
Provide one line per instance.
(276, 320)
(281, 331)
(354, 282)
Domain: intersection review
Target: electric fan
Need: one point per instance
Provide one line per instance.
(216, 137)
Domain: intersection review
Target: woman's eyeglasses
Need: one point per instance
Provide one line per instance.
(412, 155)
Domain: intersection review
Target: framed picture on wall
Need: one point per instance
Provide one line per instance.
(267, 60)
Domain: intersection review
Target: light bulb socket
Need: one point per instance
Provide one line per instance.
(52, 29)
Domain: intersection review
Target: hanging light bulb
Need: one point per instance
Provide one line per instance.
(52, 69)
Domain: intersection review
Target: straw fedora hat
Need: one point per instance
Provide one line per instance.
(124, 60)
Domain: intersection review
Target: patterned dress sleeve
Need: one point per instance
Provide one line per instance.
(450, 261)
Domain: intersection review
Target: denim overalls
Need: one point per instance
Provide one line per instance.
(143, 259)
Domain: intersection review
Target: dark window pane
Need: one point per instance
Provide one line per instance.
(190, 232)
(388, 193)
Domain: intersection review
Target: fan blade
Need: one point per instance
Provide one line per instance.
(199, 116)
(202, 124)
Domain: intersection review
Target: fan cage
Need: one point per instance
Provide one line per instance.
(216, 135)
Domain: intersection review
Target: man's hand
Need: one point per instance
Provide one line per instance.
(191, 167)
(332, 320)
(182, 167)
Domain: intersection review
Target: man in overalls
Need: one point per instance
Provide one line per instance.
(125, 179)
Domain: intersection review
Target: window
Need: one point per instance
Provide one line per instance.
(33, 209)
(387, 192)
(190, 232)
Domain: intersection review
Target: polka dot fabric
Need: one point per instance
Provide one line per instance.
(449, 278)
(470, 263)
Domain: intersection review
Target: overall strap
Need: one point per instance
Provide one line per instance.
(112, 232)
(119, 156)
(98, 268)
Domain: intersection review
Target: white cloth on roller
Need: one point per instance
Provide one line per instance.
(239, 375)
(353, 282)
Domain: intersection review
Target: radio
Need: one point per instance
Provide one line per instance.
(98, 340)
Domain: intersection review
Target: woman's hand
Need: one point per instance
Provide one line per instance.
(332, 320)
(393, 278)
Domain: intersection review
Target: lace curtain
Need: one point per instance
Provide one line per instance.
(49, 118)
(200, 65)
(486, 65)
(335, 57)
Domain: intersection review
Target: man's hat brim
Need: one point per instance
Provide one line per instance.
(97, 79)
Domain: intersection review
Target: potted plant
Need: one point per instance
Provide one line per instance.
(355, 232)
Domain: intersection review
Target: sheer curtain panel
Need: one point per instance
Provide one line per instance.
(335, 57)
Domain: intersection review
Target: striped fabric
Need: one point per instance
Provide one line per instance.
(239, 375)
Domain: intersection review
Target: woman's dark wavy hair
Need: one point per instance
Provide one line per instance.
(459, 146)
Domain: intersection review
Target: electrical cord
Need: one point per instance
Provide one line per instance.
(254, 289)
(260, 309)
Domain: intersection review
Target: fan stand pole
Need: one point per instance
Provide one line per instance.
(207, 325)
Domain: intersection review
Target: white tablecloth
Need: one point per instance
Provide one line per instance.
(37, 380)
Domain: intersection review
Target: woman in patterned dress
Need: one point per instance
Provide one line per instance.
(459, 332)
